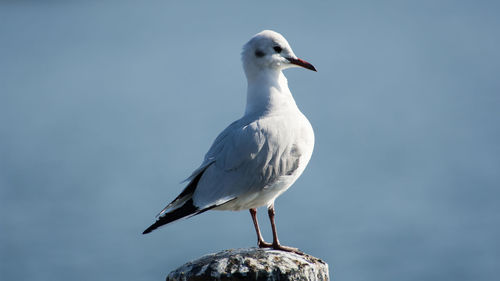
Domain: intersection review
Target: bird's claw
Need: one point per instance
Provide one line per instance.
(263, 244)
(279, 247)
(287, 249)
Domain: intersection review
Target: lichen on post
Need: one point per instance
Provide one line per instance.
(252, 264)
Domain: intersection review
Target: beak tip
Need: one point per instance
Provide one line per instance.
(302, 63)
(310, 67)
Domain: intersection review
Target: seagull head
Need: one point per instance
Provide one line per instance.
(269, 50)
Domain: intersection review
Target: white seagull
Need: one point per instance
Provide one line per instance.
(259, 156)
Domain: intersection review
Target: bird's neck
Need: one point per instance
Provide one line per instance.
(268, 92)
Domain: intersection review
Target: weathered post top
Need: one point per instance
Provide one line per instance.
(252, 264)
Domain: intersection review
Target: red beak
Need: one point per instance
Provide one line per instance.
(302, 63)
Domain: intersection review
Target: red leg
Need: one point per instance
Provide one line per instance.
(260, 241)
(276, 243)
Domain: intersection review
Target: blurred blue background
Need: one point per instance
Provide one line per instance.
(105, 106)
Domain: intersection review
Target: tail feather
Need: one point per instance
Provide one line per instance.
(187, 210)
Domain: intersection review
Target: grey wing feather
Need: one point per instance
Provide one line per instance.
(195, 177)
(215, 149)
(244, 160)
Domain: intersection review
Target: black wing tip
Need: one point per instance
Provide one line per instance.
(148, 230)
(158, 223)
(188, 209)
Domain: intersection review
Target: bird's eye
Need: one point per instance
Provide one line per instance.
(277, 49)
(259, 53)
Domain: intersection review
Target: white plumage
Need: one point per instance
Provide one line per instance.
(258, 157)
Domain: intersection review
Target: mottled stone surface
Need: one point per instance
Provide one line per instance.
(252, 264)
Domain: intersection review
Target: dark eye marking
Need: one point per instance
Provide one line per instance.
(259, 53)
(277, 49)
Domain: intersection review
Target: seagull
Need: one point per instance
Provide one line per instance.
(258, 157)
